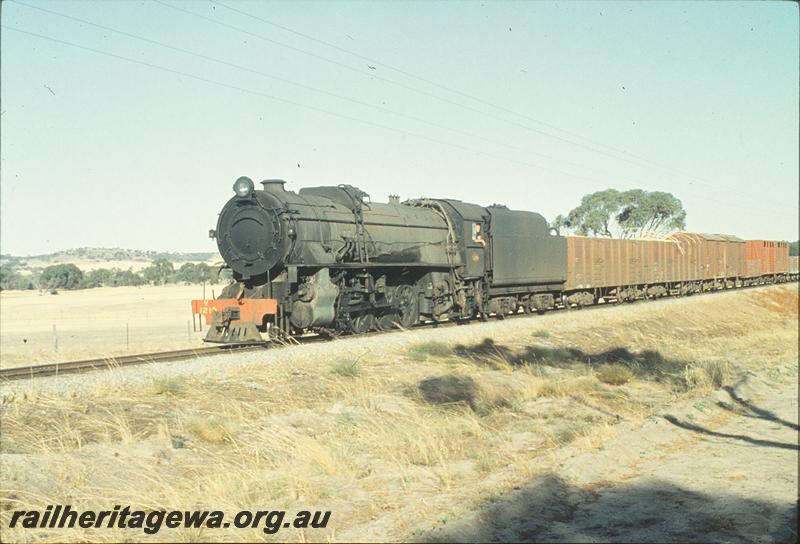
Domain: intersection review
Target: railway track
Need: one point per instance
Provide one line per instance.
(106, 363)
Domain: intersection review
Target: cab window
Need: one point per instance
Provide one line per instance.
(477, 233)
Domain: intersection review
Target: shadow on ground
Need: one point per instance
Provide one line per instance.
(548, 509)
(449, 389)
(741, 437)
(456, 389)
(647, 364)
(747, 409)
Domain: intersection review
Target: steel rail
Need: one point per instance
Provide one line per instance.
(107, 363)
(118, 361)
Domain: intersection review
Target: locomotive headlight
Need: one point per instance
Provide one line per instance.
(243, 187)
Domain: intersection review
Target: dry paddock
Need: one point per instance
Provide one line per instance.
(430, 434)
(91, 323)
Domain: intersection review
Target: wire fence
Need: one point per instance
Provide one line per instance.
(67, 341)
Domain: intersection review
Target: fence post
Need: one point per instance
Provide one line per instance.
(55, 338)
(188, 332)
(200, 316)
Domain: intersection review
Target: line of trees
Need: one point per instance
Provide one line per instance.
(69, 276)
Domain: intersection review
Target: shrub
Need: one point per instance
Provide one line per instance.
(125, 277)
(159, 272)
(97, 278)
(11, 279)
(61, 276)
(193, 273)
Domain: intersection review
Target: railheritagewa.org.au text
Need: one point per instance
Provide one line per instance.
(152, 521)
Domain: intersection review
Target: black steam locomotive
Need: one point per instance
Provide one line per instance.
(327, 259)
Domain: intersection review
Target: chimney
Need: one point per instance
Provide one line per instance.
(274, 185)
(394, 199)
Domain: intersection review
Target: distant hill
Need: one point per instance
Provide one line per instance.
(94, 257)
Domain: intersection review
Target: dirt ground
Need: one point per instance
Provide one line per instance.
(721, 470)
(669, 420)
(92, 322)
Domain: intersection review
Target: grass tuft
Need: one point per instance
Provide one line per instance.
(541, 333)
(168, 386)
(209, 429)
(707, 375)
(614, 374)
(347, 368)
(178, 441)
(430, 349)
(569, 432)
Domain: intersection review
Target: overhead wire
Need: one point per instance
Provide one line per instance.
(431, 95)
(310, 88)
(321, 110)
(293, 102)
(373, 61)
(387, 80)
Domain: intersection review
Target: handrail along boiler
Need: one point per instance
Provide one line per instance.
(327, 259)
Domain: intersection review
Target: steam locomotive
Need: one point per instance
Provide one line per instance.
(329, 260)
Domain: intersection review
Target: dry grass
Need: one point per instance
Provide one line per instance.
(426, 350)
(209, 429)
(707, 374)
(92, 322)
(347, 368)
(396, 435)
(614, 374)
(168, 386)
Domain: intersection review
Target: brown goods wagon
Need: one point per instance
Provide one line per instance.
(735, 262)
(766, 257)
(689, 257)
(608, 262)
(782, 257)
(711, 256)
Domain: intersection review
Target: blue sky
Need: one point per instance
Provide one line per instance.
(530, 104)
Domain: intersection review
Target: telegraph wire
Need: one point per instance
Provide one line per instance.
(689, 177)
(328, 112)
(365, 104)
(295, 103)
(372, 75)
(314, 89)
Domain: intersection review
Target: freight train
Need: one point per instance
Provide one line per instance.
(329, 260)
